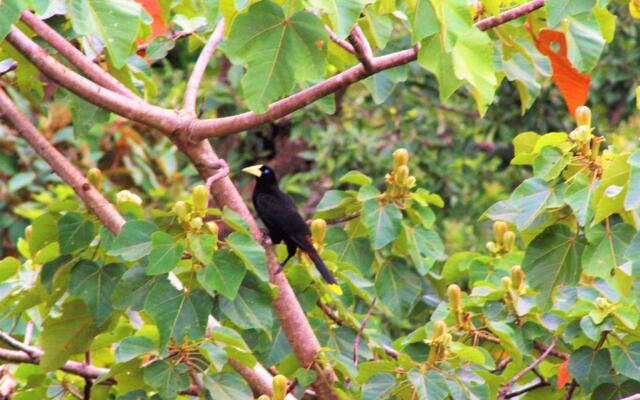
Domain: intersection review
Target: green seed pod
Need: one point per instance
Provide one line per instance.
(280, 383)
(439, 330)
(95, 177)
(499, 228)
(200, 200)
(506, 283)
(400, 157)
(402, 173)
(583, 116)
(453, 292)
(212, 227)
(508, 240)
(196, 223)
(319, 230)
(517, 277)
(181, 210)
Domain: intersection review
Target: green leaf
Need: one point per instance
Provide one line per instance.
(632, 201)
(557, 10)
(475, 355)
(227, 386)
(523, 146)
(342, 14)
(69, 334)
(133, 288)
(85, 116)
(381, 84)
(224, 275)
(521, 70)
(250, 252)
(439, 61)
(550, 163)
(202, 246)
(423, 20)
(278, 51)
(423, 246)
(166, 253)
(380, 386)
(428, 386)
(74, 232)
(383, 222)
(356, 178)
(50, 269)
(132, 347)
(397, 286)
(589, 367)
(235, 221)
(607, 197)
(8, 267)
(44, 231)
(585, 42)
(606, 249)
(578, 196)
(20, 180)
(626, 360)
(248, 310)
(168, 378)
(115, 22)
(10, 14)
(94, 285)
(552, 259)
(355, 251)
(134, 240)
(178, 314)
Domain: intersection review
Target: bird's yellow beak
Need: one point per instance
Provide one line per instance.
(254, 170)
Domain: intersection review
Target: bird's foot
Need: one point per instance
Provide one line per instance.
(222, 172)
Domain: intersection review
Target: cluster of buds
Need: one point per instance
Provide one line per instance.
(589, 144)
(514, 287)
(455, 301)
(505, 239)
(399, 182)
(193, 216)
(440, 343)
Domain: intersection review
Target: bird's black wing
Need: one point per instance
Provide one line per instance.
(280, 215)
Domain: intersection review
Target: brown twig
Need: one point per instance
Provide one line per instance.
(356, 341)
(509, 15)
(362, 48)
(329, 313)
(91, 196)
(555, 353)
(191, 93)
(572, 388)
(10, 68)
(506, 388)
(88, 382)
(342, 43)
(75, 56)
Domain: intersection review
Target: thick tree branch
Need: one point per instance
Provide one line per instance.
(362, 48)
(509, 15)
(506, 388)
(75, 56)
(342, 43)
(191, 93)
(91, 196)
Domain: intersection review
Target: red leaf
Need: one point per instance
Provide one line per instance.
(159, 26)
(563, 374)
(573, 85)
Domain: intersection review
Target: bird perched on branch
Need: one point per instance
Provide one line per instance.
(280, 215)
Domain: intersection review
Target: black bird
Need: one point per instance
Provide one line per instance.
(280, 215)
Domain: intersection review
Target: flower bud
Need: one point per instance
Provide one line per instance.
(280, 384)
(196, 223)
(602, 303)
(583, 116)
(491, 246)
(95, 177)
(499, 228)
(411, 182)
(402, 173)
(506, 283)
(453, 292)
(319, 230)
(264, 397)
(517, 277)
(400, 157)
(508, 240)
(200, 200)
(27, 233)
(212, 227)
(180, 208)
(125, 196)
(446, 341)
(439, 329)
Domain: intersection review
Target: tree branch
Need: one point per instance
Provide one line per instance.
(191, 93)
(362, 48)
(75, 56)
(509, 15)
(506, 388)
(342, 43)
(356, 341)
(91, 196)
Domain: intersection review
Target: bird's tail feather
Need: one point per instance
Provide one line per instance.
(324, 271)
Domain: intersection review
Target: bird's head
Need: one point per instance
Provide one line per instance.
(263, 173)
